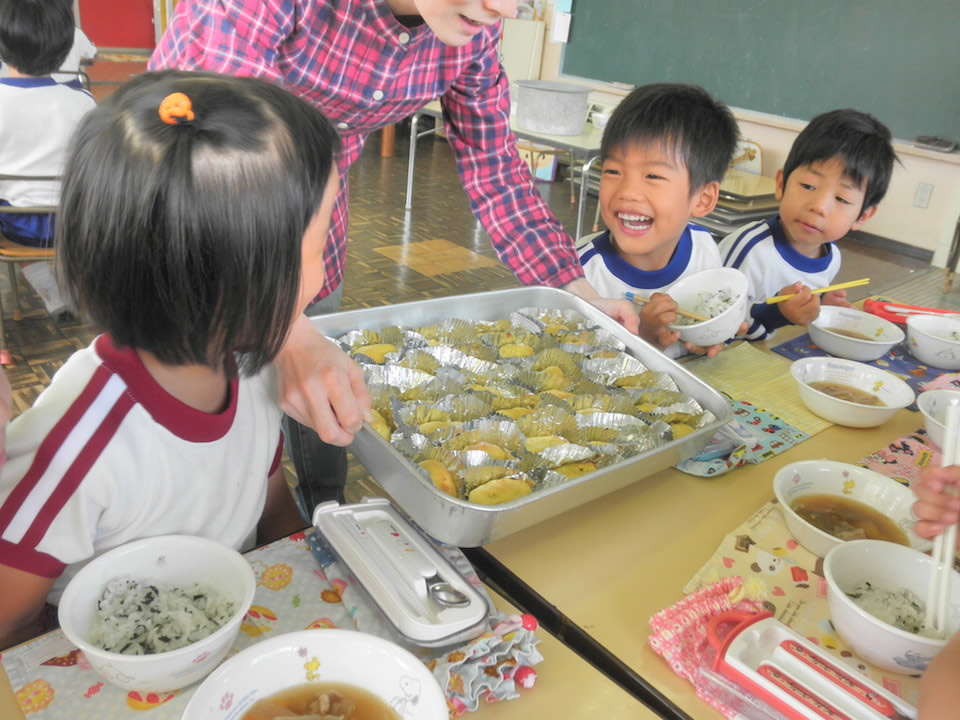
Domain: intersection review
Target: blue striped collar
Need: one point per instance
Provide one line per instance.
(28, 82)
(788, 253)
(644, 279)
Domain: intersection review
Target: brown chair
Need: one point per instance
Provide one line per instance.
(12, 253)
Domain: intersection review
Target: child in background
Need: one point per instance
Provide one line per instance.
(664, 152)
(82, 51)
(938, 507)
(836, 174)
(198, 208)
(37, 118)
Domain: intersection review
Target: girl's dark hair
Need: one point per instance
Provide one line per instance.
(184, 240)
(859, 140)
(35, 35)
(685, 120)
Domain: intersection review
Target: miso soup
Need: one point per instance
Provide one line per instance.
(851, 334)
(848, 519)
(846, 392)
(313, 700)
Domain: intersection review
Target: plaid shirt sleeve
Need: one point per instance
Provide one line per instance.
(246, 38)
(311, 46)
(233, 37)
(526, 236)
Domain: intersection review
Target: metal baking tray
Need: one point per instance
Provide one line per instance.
(465, 524)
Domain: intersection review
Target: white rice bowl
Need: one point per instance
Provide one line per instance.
(890, 569)
(933, 406)
(168, 561)
(718, 293)
(934, 340)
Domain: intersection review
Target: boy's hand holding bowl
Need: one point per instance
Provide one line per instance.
(711, 289)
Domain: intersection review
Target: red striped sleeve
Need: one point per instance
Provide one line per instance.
(277, 458)
(78, 470)
(62, 461)
(50, 444)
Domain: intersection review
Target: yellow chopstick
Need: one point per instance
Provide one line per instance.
(829, 288)
(637, 300)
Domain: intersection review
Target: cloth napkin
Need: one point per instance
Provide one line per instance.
(754, 435)
(491, 667)
(679, 636)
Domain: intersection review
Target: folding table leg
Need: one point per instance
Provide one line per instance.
(411, 157)
(4, 352)
(12, 274)
(584, 173)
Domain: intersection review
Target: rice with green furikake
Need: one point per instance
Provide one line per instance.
(137, 618)
(900, 608)
(709, 305)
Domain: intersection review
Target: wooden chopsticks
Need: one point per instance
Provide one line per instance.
(637, 300)
(829, 288)
(936, 615)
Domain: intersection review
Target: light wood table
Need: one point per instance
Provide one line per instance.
(567, 686)
(611, 564)
(8, 702)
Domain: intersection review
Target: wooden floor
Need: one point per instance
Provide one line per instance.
(436, 249)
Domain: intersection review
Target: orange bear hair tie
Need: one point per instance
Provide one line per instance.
(175, 109)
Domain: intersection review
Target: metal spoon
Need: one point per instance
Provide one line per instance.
(443, 593)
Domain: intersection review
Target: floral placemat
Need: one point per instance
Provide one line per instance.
(52, 679)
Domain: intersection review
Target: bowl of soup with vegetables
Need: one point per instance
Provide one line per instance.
(320, 673)
(853, 334)
(849, 393)
(826, 503)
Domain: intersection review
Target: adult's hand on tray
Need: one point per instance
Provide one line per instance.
(623, 311)
(320, 386)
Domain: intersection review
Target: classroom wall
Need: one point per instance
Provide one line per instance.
(897, 219)
(124, 24)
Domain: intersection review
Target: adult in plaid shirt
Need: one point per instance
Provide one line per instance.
(367, 64)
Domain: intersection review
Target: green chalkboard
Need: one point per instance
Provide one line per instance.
(897, 59)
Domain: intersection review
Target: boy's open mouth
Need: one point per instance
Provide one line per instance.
(635, 223)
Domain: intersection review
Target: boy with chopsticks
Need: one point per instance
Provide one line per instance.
(836, 174)
(664, 152)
